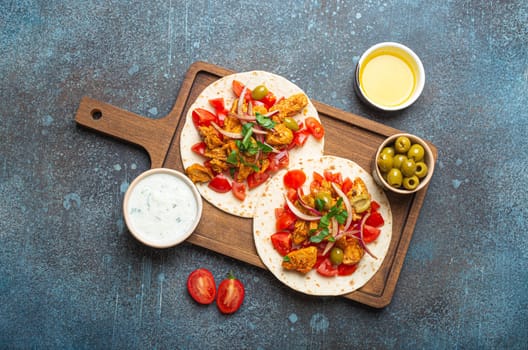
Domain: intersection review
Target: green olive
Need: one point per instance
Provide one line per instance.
(394, 177)
(389, 150)
(411, 182)
(291, 123)
(408, 167)
(361, 202)
(402, 144)
(416, 152)
(336, 256)
(385, 161)
(398, 161)
(259, 92)
(325, 197)
(421, 170)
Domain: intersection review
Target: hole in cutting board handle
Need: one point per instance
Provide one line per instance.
(96, 114)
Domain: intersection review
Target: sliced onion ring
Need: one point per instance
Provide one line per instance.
(299, 213)
(233, 135)
(347, 204)
(334, 233)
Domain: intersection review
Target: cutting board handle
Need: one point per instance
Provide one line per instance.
(153, 135)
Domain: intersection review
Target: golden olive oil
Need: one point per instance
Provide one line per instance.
(387, 78)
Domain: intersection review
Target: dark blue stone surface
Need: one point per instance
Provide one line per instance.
(71, 276)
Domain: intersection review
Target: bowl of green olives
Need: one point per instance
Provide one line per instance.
(404, 164)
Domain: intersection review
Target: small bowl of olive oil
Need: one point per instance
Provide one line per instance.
(389, 77)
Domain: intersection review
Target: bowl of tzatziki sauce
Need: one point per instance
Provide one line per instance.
(162, 207)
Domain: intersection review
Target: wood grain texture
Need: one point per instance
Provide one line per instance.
(347, 135)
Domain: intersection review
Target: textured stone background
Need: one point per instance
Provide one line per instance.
(72, 277)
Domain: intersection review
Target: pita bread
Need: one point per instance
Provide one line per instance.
(313, 283)
(281, 87)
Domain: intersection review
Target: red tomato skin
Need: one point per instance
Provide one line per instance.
(346, 270)
(294, 178)
(327, 269)
(370, 234)
(269, 100)
(220, 184)
(315, 127)
(202, 117)
(347, 185)
(300, 137)
(255, 179)
(375, 219)
(285, 220)
(230, 295)
(374, 205)
(199, 148)
(201, 286)
(217, 103)
(282, 242)
(239, 190)
(278, 160)
(238, 87)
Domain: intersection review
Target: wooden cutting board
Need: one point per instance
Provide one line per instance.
(346, 135)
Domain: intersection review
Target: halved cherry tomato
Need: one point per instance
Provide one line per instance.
(199, 148)
(346, 270)
(300, 137)
(255, 179)
(201, 286)
(202, 117)
(294, 178)
(230, 295)
(315, 127)
(327, 269)
(220, 184)
(375, 219)
(374, 205)
(282, 242)
(278, 160)
(370, 234)
(285, 220)
(269, 100)
(239, 190)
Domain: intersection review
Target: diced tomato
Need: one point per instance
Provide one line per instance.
(255, 179)
(269, 100)
(217, 103)
(199, 148)
(291, 194)
(279, 212)
(220, 184)
(202, 117)
(294, 178)
(315, 127)
(333, 177)
(374, 205)
(327, 269)
(201, 286)
(370, 234)
(238, 87)
(230, 295)
(239, 190)
(300, 137)
(346, 270)
(285, 220)
(316, 182)
(282, 242)
(319, 261)
(347, 185)
(375, 219)
(278, 160)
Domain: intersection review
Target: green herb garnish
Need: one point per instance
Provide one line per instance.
(264, 121)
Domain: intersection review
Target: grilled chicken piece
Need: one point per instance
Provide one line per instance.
(352, 250)
(199, 173)
(280, 135)
(289, 107)
(302, 260)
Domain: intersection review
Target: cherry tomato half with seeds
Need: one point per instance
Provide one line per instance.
(230, 295)
(294, 178)
(370, 233)
(327, 269)
(315, 127)
(239, 190)
(201, 286)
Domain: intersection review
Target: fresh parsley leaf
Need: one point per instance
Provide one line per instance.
(264, 121)
(319, 204)
(264, 147)
(232, 158)
(286, 258)
(320, 236)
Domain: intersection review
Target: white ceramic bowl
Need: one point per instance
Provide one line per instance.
(404, 54)
(428, 159)
(162, 207)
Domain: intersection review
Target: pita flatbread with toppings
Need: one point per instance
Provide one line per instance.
(216, 138)
(299, 266)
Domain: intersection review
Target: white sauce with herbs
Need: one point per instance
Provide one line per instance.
(162, 207)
